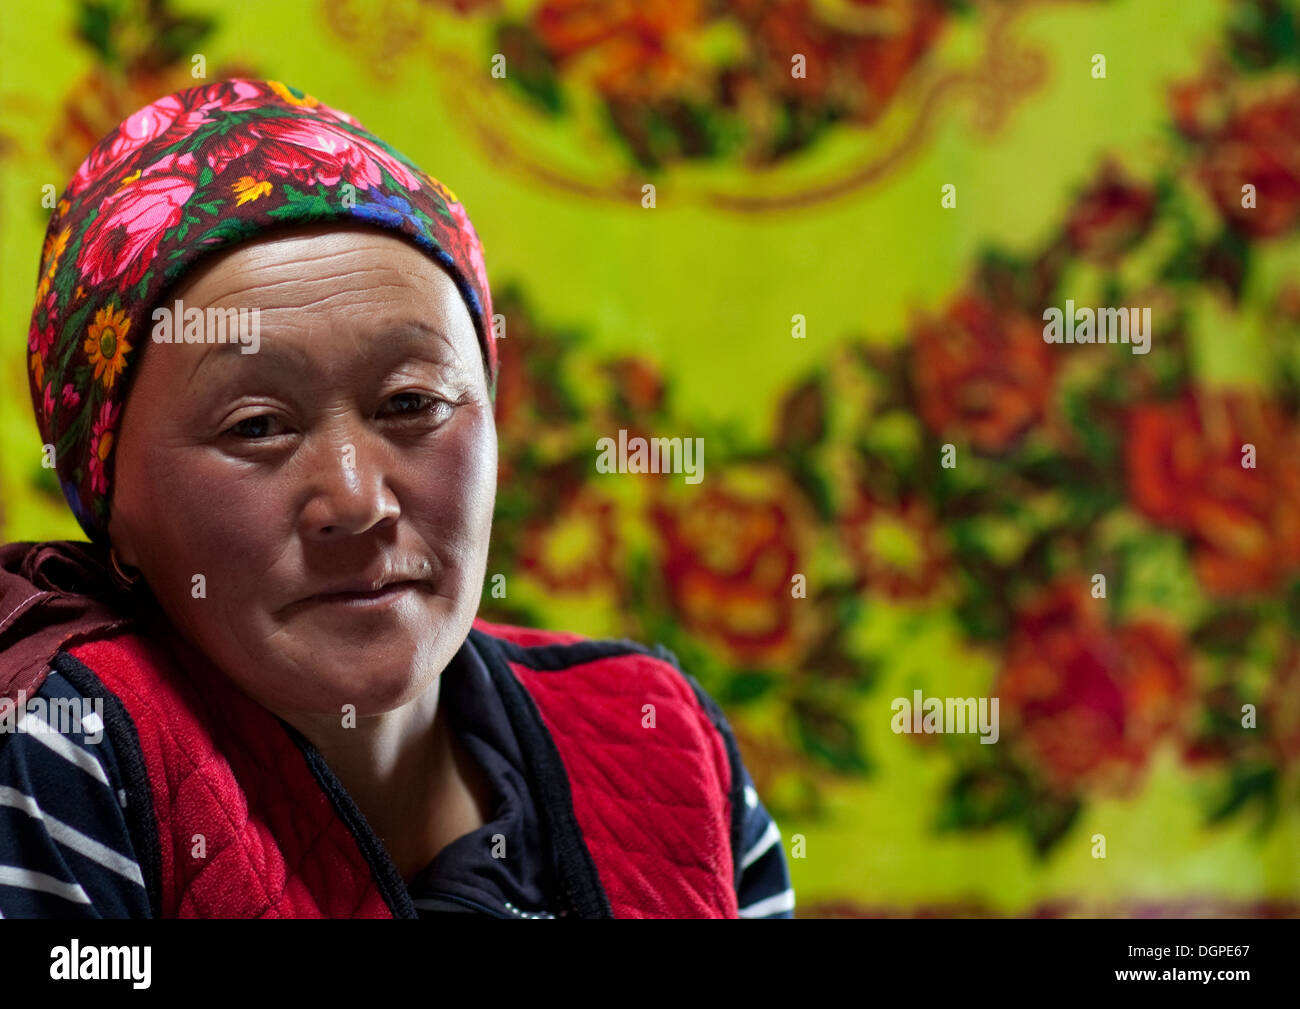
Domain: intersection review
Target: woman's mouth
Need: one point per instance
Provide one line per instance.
(377, 599)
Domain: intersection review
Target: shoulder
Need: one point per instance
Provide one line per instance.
(610, 681)
(617, 667)
(66, 844)
(558, 650)
(617, 688)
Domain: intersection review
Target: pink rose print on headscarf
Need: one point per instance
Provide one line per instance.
(309, 151)
(131, 222)
(171, 118)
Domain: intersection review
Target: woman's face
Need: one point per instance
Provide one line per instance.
(356, 447)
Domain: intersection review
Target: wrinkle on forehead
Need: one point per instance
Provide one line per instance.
(289, 263)
(355, 283)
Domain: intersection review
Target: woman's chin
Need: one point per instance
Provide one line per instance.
(325, 658)
(372, 673)
(362, 689)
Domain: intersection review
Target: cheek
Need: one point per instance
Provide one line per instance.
(448, 492)
(189, 512)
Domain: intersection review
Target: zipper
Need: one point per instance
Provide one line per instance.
(481, 908)
(473, 905)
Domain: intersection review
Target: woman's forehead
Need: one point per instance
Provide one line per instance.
(315, 301)
(353, 349)
(274, 266)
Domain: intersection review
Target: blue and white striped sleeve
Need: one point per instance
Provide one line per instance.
(764, 890)
(65, 845)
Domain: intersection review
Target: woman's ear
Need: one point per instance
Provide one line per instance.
(120, 540)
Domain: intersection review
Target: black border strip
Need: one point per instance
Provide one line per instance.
(559, 657)
(390, 882)
(550, 781)
(141, 820)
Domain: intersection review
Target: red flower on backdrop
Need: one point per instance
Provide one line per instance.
(132, 220)
(638, 387)
(467, 6)
(1110, 217)
(856, 57)
(531, 410)
(1084, 701)
(896, 549)
(631, 48)
(982, 374)
(575, 550)
(1184, 466)
(1259, 145)
(728, 556)
(1200, 105)
(513, 389)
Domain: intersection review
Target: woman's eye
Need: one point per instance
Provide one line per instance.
(407, 404)
(253, 427)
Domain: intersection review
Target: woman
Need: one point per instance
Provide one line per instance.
(263, 364)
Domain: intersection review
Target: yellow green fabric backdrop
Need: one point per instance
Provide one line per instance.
(905, 488)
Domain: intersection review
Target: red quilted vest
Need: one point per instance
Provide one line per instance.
(247, 820)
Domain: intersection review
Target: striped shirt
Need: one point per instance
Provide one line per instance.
(66, 849)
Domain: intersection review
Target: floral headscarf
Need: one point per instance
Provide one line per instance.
(198, 171)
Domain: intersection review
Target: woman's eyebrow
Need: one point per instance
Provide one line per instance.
(287, 354)
(398, 340)
(413, 334)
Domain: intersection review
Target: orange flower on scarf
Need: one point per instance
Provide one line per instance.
(106, 345)
(249, 189)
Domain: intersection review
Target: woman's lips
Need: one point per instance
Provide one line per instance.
(376, 600)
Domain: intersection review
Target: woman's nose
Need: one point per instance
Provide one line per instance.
(349, 493)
